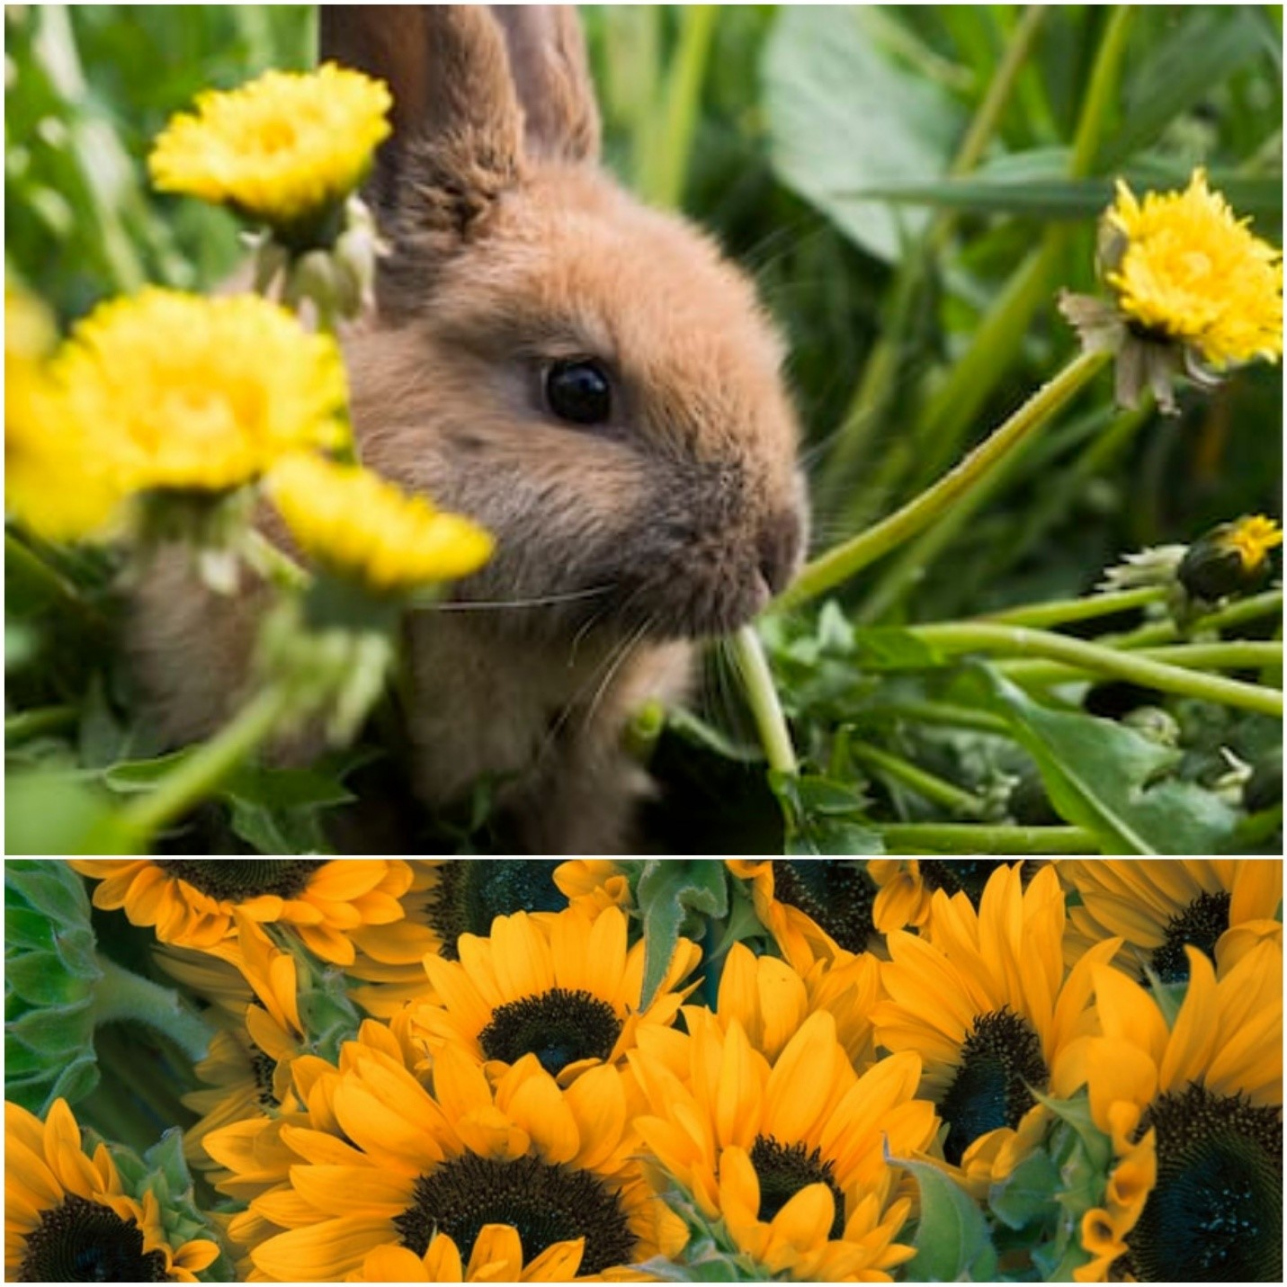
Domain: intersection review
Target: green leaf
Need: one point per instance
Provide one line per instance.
(1027, 1195)
(670, 893)
(1179, 72)
(52, 813)
(823, 816)
(886, 648)
(42, 979)
(952, 1243)
(51, 888)
(25, 929)
(842, 116)
(1100, 775)
(55, 1032)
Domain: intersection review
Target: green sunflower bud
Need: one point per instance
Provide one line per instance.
(51, 973)
(163, 1171)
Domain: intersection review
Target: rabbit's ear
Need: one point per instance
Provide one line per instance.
(457, 124)
(551, 73)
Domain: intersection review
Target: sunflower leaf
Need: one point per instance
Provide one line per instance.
(952, 1242)
(672, 893)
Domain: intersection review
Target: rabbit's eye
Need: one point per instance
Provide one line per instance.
(578, 389)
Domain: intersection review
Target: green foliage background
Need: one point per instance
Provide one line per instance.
(909, 239)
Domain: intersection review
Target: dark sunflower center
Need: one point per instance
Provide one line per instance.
(783, 1170)
(472, 892)
(82, 1242)
(1216, 1211)
(968, 875)
(1199, 925)
(558, 1027)
(237, 879)
(264, 1066)
(1000, 1059)
(546, 1204)
(836, 894)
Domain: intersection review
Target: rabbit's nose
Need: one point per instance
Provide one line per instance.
(779, 549)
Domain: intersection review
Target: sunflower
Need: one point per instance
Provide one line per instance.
(791, 1155)
(905, 886)
(771, 1000)
(248, 1065)
(1194, 1111)
(448, 897)
(984, 1001)
(497, 1257)
(1222, 906)
(816, 908)
(192, 901)
(386, 1163)
(565, 989)
(599, 881)
(67, 1218)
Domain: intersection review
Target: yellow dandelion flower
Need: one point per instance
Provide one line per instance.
(1230, 558)
(357, 525)
(388, 1164)
(56, 479)
(67, 1218)
(984, 1001)
(818, 908)
(1185, 269)
(1160, 906)
(285, 149)
(565, 989)
(1194, 1112)
(791, 1154)
(193, 902)
(199, 395)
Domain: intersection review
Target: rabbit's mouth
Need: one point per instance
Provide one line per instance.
(701, 587)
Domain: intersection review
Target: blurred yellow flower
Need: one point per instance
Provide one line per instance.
(192, 394)
(55, 481)
(359, 526)
(286, 148)
(1186, 270)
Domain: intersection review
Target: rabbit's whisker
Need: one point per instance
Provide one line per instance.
(537, 601)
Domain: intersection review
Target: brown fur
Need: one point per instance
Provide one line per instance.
(671, 522)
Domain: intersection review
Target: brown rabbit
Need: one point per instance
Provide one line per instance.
(586, 377)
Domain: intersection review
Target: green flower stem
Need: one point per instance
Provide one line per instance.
(1000, 85)
(122, 994)
(666, 163)
(965, 636)
(273, 564)
(44, 719)
(971, 838)
(843, 561)
(202, 772)
(775, 737)
(1229, 617)
(1057, 612)
(926, 785)
(1101, 93)
(1238, 655)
